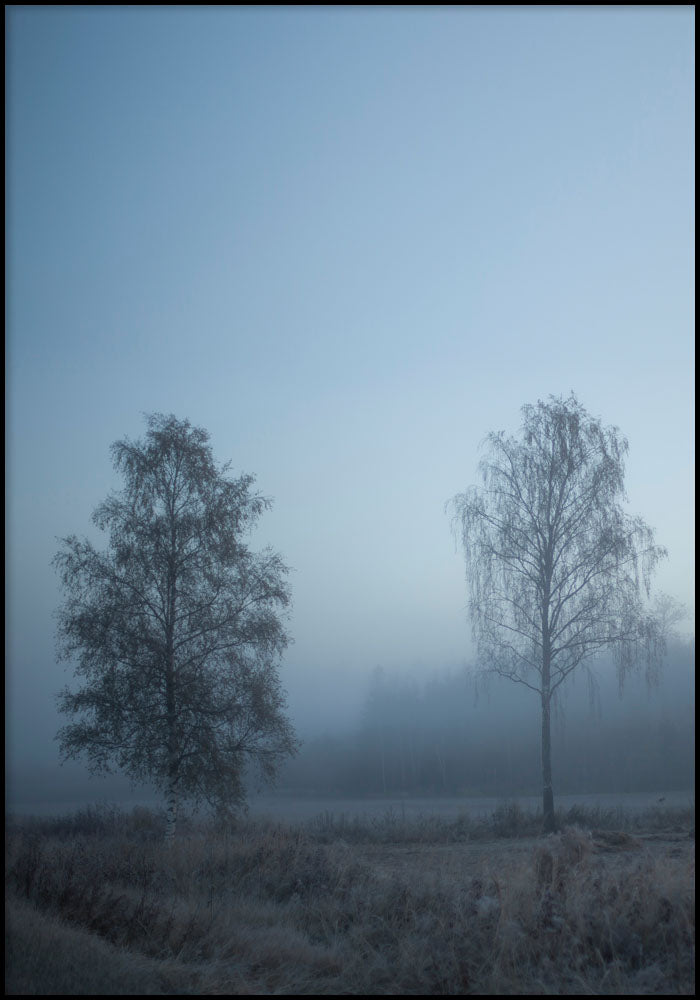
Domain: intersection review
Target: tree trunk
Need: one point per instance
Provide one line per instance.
(548, 824)
(170, 693)
(172, 793)
(383, 764)
(171, 816)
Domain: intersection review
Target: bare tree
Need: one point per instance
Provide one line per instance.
(556, 570)
(177, 627)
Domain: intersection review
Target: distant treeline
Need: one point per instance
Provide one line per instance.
(447, 736)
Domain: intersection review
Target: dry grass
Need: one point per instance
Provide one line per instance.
(99, 906)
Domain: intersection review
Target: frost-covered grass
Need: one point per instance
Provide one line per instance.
(96, 904)
(509, 820)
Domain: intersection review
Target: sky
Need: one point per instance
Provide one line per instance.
(349, 242)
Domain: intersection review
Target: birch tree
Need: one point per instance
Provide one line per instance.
(176, 628)
(557, 571)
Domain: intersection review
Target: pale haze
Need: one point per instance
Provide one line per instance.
(349, 242)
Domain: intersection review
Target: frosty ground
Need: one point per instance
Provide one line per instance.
(341, 904)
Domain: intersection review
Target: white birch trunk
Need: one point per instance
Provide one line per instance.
(171, 817)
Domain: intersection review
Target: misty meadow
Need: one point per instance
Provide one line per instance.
(350, 500)
(96, 904)
(176, 630)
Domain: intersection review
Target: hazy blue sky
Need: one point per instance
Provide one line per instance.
(349, 242)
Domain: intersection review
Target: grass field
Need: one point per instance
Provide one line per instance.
(95, 904)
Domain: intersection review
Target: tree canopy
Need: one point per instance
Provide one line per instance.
(177, 628)
(557, 570)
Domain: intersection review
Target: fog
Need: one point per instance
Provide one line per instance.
(350, 242)
(447, 733)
